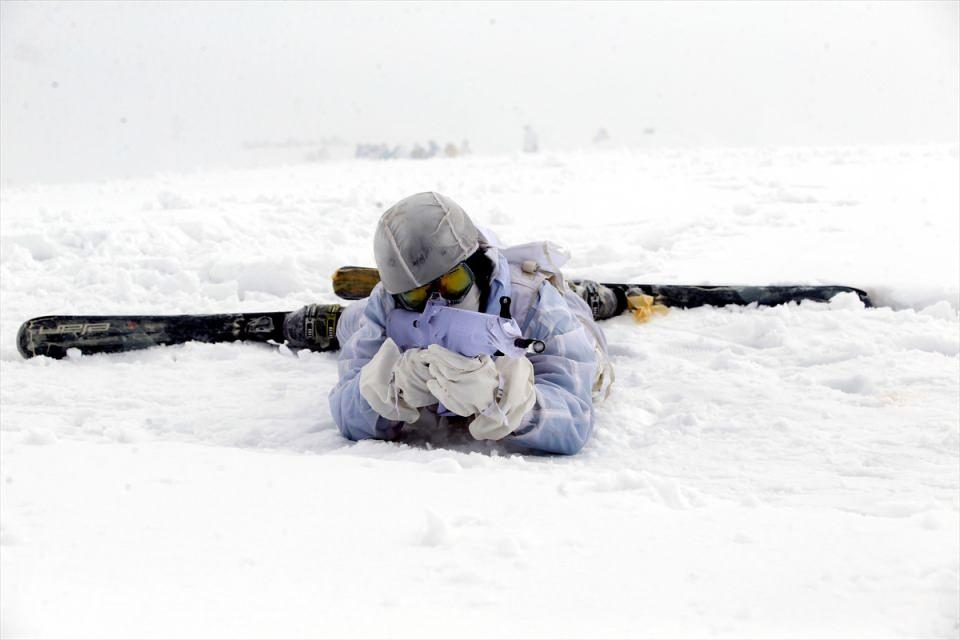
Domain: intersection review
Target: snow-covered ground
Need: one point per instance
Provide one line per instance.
(782, 472)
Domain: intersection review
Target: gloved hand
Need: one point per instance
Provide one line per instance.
(463, 385)
(518, 396)
(411, 375)
(379, 385)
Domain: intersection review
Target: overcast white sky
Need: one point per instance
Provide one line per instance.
(98, 90)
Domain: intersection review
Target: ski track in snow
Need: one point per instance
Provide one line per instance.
(774, 472)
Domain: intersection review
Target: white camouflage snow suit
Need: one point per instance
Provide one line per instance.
(570, 375)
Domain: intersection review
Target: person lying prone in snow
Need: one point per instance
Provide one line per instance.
(429, 252)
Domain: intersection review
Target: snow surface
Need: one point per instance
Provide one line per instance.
(780, 472)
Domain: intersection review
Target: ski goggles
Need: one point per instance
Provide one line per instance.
(453, 286)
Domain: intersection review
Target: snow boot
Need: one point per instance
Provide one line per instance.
(604, 302)
(312, 327)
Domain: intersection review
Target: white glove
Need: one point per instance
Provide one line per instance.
(378, 385)
(518, 396)
(411, 375)
(463, 385)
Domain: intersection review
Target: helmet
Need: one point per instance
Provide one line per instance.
(421, 238)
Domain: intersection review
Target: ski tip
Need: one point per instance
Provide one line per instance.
(864, 297)
(31, 341)
(23, 340)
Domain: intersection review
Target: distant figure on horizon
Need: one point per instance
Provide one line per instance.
(418, 152)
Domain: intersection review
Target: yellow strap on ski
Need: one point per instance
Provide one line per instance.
(644, 308)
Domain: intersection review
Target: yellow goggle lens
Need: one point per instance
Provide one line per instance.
(415, 298)
(455, 283)
(452, 285)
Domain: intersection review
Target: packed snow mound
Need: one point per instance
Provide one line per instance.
(756, 472)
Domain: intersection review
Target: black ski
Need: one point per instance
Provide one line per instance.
(52, 336)
(355, 283)
(689, 296)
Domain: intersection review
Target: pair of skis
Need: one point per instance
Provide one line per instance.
(54, 336)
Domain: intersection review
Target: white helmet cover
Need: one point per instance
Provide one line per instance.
(421, 238)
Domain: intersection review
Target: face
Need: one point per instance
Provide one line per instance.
(452, 286)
